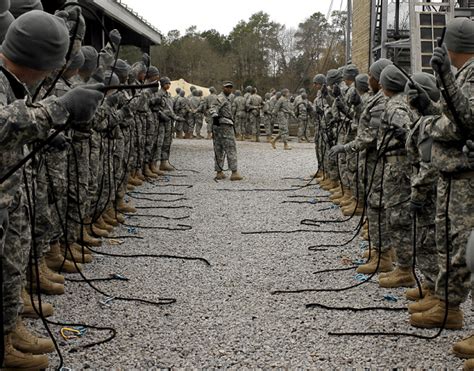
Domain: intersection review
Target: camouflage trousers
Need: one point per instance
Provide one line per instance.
(283, 131)
(106, 179)
(199, 122)
(56, 171)
(459, 220)
(376, 213)
(166, 139)
(240, 121)
(209, 124)
(254, 123)
(151, 137)
(96, 143)
(15, 260)
(426, 256)
(351, 175)
(268, 122)
(43, 223)
(118, 161)
(303, 128)
(77, 188)
(139, 140)
(224, 145)
(189, 124)
(396, 194)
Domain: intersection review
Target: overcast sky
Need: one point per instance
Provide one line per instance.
(224, 15)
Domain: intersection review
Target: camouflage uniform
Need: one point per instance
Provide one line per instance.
(181, 110)
(239, 114)
(455, 190)
(366, 141)
(397, 179)
(267, 118)
(224, 137)
(22, 122)
(208, 102)
(254, 105)
(283, 111)
(303, 112)
(423, 192)
(167, 116)
(194, 115)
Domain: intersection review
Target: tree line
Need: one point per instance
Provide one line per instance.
(257, 52)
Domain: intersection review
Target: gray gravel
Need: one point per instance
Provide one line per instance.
(225, 315)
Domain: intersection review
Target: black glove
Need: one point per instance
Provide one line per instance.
(215, 120)
(440, 61)
(163, 117)
(82, 102)
(115, 37)
(60, 142)
(416, 206)
(355, 99)
(400, 134)
(319, 111)
(418, 98)
(112, 100)
(468, 150)
(334, 151)
(3, 226)
(336, 91)
(324, 91)
(146, 60)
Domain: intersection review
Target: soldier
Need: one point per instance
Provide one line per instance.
(150, 169)
(267, 117)
(319, 106)
(239, 114)
(454, 217)
(223, 134)
(366, 141)
(36, 44)
(424, 178)
(194, 106)
(208, 102)
(181, 109)
(253, 106)
(303, 111)
(283, 111)
(246, 132)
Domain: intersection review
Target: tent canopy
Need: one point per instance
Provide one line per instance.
(186, 86)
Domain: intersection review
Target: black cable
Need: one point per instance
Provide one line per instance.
(352, 309)
(181, 227)
(159, 200)
(161, 216)
(155, 193)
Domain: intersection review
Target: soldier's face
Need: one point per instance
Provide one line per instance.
(166, 87)
(317, 86)
(227, 90)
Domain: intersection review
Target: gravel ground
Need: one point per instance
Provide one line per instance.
(225, 315)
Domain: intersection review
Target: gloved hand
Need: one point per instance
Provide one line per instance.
(416, 206)
(73, 18)
(82, 102)
(115, 37)
(399, 134)
(324, 91)
(418, 98)
(340, 105)
(112, 100)
(468, 150)
(319, 110)
(355, 99)
(163, 117)
(336, 91)
(440, 61)
(146, 60)
(60, 142)
(215, 120)
(3, 226)
(334, 151)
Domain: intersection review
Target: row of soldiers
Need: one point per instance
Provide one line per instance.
(95, 127)
(398, 150)
(249, 111)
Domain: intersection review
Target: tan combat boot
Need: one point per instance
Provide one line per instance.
(50, 274)
(125, 207)
(166, 166)
(156, 169)
(93, 230)
(220, 175)
(56, 261)
(464, 348)
(72, 255)
(139, 175)
(43, 283)
(434, 317)
(134, 180)
(179, 135)
(269, 139)
(371, 266)
(236, 176)
(414, 293)
(399, 277)
(422, 305)
(148, 173)
(16, 360)
(103, 225)
(88, 239)
(468, 365)
(29, 306)
(115, 215)
(25, 341)
(286, 146)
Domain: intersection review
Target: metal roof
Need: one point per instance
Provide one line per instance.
(123, 14)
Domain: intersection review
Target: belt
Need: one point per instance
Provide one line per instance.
(468, 174)
(393, 159)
